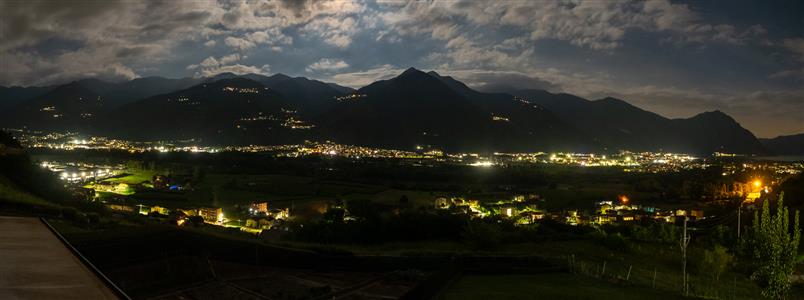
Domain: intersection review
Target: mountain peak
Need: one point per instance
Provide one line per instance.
(279, 77)
(611, 99)
(615, 102)
(714, 115)
(410, 71)
(219, 76)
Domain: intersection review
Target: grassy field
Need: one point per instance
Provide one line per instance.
(544, 286)
(133, 177)
(10, 194)
(645, 260)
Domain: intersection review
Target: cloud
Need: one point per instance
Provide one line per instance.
(236, 69)
(796, 74)
(239, 43)
(30, 69)
(362, 78)
(599, 25)
(335, 31)
(271, 37)
(210, 43)
(142, 35)
(796, 46)
(496, 81)
(327, 65)
(211, 66)
(229, 59)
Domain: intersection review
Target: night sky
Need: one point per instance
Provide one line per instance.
(674, 58)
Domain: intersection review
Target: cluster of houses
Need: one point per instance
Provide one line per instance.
(612, 212)
(524, 209)
(259, 217)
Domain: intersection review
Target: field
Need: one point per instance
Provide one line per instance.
(13, 196)
(544, 286)
(240, 179)
(133, 177)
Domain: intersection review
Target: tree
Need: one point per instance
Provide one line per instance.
(482, 235)
(404, 202)
(774, 249)
(716, 261)
(363, 209)
(198, 174)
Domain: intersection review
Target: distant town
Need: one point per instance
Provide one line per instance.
(99, 181)
(629, 161)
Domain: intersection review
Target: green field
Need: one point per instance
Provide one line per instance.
(12, 195)
(544, 286)
(133, 177)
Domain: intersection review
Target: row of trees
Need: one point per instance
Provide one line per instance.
(772, 248)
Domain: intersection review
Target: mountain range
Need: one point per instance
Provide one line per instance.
(786, 144)
(412, 109)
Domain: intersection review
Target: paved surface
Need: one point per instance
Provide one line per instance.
(34, 264)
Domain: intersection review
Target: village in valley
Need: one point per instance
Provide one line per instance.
(139, 188)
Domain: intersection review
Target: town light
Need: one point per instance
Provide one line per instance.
(623, 199)
(757, 183)
(482, 164)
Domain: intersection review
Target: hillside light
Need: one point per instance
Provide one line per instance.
(757, 183)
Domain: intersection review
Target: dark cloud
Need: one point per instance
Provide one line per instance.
(299, 8)
(25, 22)
(131, 51)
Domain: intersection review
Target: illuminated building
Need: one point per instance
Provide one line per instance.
(211, 214)
(261, 207)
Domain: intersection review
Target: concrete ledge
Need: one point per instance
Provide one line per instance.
(35, 264)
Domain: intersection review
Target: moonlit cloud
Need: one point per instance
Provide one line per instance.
(362, 78)
(672, 58)
(211, 66)
(326, 65)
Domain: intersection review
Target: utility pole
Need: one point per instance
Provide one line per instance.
(739, 207)
(685, 240)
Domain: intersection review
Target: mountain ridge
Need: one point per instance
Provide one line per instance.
(458, 117)
(786, 144)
